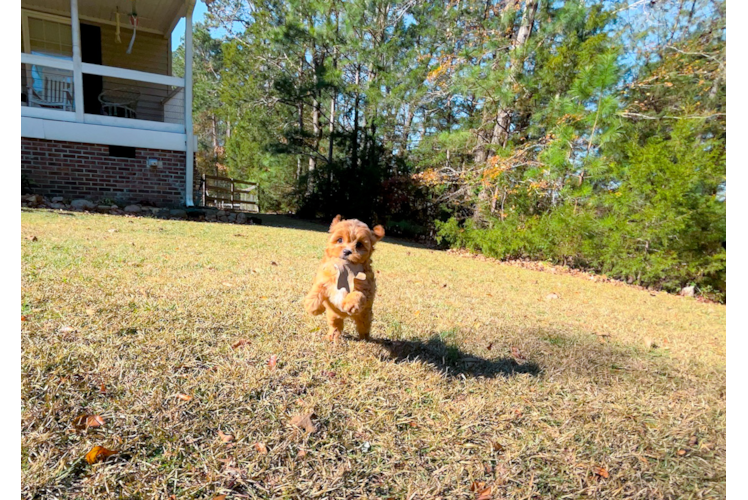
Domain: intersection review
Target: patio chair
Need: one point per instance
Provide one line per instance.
(121, 102)
(50, 90)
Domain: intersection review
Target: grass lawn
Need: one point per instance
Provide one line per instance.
(475, 383)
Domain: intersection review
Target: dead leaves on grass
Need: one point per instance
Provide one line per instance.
(261, 448)
(240, 343)
(98, 453)
(83, 422)
(226, 438)
(482, 492)
(601, 472)
(304, 421)
(273, 361)
(184, 397)
(517, 355)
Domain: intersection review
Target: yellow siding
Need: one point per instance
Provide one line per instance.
(150, 53)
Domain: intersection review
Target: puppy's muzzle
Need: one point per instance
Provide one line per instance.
(346, 252)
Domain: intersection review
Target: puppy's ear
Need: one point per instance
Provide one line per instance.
(334, 222)
(378, 232)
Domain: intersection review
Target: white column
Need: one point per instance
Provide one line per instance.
(190, 149)
(77, 62)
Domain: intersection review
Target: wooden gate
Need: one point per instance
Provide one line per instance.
(225, 192)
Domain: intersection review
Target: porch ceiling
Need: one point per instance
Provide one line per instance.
(153, 15)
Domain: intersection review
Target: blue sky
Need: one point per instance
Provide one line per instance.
(197, 15)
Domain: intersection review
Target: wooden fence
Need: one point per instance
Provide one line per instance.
(225, 192)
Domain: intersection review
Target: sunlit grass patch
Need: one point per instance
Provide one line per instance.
(481, 381)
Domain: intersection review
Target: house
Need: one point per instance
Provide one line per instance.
(103, 116)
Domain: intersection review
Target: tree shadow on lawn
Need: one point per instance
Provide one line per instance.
(453, 362)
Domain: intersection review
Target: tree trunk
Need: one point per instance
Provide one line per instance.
(503, 117)
(316, 127)
(406, 132)
(354, 146)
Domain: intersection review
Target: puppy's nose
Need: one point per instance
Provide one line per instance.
(347, 252)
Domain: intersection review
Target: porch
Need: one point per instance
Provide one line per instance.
(101, 72)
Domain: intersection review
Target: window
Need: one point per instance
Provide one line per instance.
(46, 34)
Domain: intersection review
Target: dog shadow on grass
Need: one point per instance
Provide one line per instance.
(451, 361)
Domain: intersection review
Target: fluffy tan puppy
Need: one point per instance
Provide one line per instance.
(345, 286)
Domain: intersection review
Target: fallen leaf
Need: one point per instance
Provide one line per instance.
(301, 454)
(67, 329)
(498, 447)
(85, 421)
(227, 284)
(444, 285)
(261, 448)
(516, 354)
(102, 389)
(220, 497)
(681, 453)
(490, 346)
(32, 238)
(481, 491)
(184, 397)
(484, 494)
(226, 438)
(602, 472)
(98, 453)
(24, 318)
(240, 343)
(305, 422)
(112, 230)
(273, 361)
(489, 295)
(238, 235)
(552, 296)
(693, 441)
(90, 312)
(273, 263)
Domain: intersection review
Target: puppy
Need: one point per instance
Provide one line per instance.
(347, 259)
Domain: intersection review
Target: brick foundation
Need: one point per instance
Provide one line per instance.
(78, 170)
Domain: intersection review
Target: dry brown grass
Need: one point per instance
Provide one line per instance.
(474, 379)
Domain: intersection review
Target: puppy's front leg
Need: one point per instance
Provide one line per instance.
(354, 302)
(314, 301)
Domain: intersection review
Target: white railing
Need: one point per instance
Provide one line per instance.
(156, 101)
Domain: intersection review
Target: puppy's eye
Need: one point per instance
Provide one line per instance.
(359, 245)
(340, 240)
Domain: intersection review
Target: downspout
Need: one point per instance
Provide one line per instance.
(190, 146)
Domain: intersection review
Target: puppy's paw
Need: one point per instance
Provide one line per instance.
(313, 304)
(353, 303)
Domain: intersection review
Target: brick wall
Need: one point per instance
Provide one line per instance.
(78, 170)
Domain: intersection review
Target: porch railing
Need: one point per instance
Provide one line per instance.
(112, 96)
